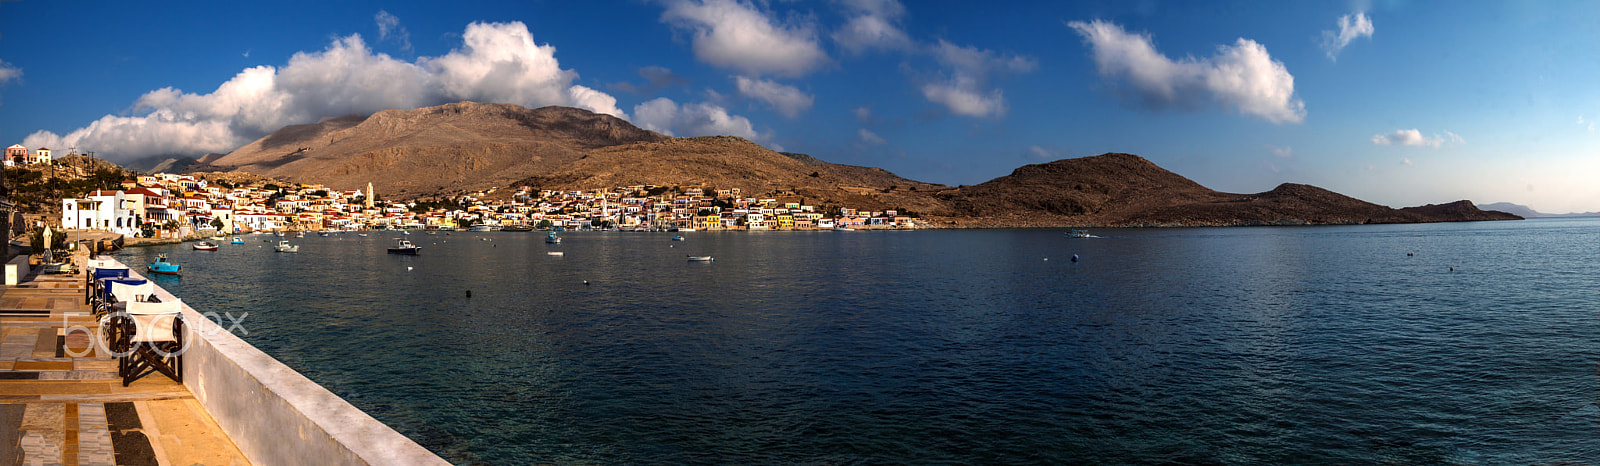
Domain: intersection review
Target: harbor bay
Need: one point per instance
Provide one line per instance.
(1465, 342)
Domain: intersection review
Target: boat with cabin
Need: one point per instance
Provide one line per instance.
(238, 240)
(205, 246)
(163, 266)
(701, 258)
(552, 238)
(284, 246)
(405, 247)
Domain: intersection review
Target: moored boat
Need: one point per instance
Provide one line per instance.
(238, 240)
(205, 246)
(406, 248)
(701, 258)
(163, 266)
(678, 238)
(1080, 234)
(843, 229)
(284, 246)
(552, 238)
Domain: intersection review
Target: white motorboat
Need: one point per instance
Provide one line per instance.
(701, 258)
(284, 246)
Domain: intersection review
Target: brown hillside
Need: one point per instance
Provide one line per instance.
(731, 162)
(457, 147)
(1127, 190)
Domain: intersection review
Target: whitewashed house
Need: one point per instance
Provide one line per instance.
(100, 210)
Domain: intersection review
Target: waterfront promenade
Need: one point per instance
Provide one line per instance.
(60, 409)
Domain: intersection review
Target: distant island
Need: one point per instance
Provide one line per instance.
(1528, 212)
(475, 148)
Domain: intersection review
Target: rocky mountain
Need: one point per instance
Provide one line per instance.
(162, 164)
(467, 147)
(1127, 190)
(459, 147)
(1528, 212)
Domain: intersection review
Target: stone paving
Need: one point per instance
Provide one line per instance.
(61, 401)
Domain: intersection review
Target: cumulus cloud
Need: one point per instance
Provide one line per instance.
(389, 28)
(702, 119)
(786, 100)
(963, 87)
(1413, 137)
(497, 62)
(1284, 152)
(872, 26)
(736, 35)
(870, 138)
(656, 78)
(1242, 76)
(1351, 27)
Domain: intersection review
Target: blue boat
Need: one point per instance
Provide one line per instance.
(162, 266)
(552, 238)
(237, 240)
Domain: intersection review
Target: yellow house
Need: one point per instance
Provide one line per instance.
(785, 222)
(707, 222)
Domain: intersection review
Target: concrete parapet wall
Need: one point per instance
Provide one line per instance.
(276, 415)
(16, 270)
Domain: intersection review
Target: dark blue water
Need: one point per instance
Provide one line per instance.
(1234, 345)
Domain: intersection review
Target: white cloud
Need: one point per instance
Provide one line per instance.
(863, 114)
(9, 72)
(1405, 161)
(963, 88)
(1242, 76)
(702, 119)
(1413, 137)
(786, 100)
(1284, 152)
(870, 138)
(1581, 122)
(872, 26)
(1040, 154)
(389, 28)
(497, 62)
(1351, 27)
(735, 35)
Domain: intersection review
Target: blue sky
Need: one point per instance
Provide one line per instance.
(1400, 103)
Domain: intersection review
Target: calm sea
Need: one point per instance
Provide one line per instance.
(1415, 344)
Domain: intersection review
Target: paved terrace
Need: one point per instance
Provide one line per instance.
(59, 409)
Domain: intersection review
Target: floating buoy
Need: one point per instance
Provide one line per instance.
(1074, 257)
(469, 293)
(408, 269)
(1452, 269)
(585, 282)
(1046, 258)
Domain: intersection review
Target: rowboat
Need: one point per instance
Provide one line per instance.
(205, 246)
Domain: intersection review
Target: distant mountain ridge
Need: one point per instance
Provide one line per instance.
(1528, 212)
(466, 147)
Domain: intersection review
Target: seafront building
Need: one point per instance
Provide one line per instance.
(167, 204)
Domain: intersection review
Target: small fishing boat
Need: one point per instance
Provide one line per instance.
(205, 246)
(843, 229)
(284, 246)
(1080, 234)
(481, 228)
(218, 237)
(238, 240)
(685, 229)
(678, 238)
(552, 238)
(555, 253)
(363, 235)
(164, 267)
(322, 234)
(701, 258)
(405, 247)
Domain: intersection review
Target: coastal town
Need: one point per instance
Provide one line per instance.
(168, 205)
